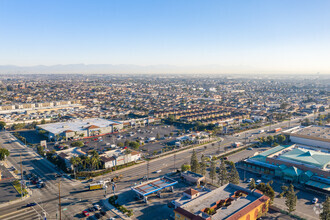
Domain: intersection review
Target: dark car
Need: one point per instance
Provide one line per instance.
(98, 215)
(31, 204)
(103, 212)
(58, 175)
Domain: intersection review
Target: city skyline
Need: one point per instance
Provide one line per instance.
(171, 37)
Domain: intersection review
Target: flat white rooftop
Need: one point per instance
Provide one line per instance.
(77, 125)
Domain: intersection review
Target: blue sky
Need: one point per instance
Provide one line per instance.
(278, 35)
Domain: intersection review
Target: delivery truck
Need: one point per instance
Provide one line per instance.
(277, 130)
(95, 186)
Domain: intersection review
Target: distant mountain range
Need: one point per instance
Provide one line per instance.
(136, 69)
(108, 68)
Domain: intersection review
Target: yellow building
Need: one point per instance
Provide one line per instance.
(230, 202)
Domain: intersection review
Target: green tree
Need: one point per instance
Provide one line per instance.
(233, 175)
(223, 175)
(281, 138)
(291, 199)
(267, 190)
(4, 153)
(120, 144)
(43, 121)
(203, 166)
(252, 184)
(126, 142)
(284, 191)
(135, 145)
(77, 144)
(213, 170)
(194, 164)
(325, 215)
(95, 160)
(40, 150)
(2, 125)
(157, 136)
(75, 161)
(270, 139)
(185, 167)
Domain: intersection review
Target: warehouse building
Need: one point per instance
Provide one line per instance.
(79, 129)
(316, 136)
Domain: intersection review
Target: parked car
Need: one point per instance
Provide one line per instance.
(158, 171)
(103, 213)
(250, 180)
(31, 204)
(258, 181)
(91, 209)
(97, 207)
(315, 200)
(250, 148)
(85, 213)
(58, 175)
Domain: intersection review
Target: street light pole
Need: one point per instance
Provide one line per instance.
(148, 170)
(59, 199)
(20, 158)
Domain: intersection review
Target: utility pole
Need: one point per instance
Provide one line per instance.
(59, 199)
(20, 158)
(148, 170)
(174, 162)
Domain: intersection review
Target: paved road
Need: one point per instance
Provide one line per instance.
(75, 197)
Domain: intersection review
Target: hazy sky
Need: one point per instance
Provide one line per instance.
(270, 35)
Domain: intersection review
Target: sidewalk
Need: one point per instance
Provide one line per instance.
(113, 209)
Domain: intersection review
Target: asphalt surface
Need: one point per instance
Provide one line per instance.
(74, 194)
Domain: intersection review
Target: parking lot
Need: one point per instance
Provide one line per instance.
(305, 207)
(7, 190)
(146, 135)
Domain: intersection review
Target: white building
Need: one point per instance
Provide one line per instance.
(119, 157)
(316, 136)
(79, 128)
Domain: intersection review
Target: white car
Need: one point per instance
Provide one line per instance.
(315, 200)
(97, 207)
(158, 171)
(250, 180)
(258, 181)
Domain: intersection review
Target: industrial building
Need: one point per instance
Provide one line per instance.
(294, 163)
(227, 202)
(316, 136)
(79, 128)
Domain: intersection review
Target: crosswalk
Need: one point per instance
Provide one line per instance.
(24, 214)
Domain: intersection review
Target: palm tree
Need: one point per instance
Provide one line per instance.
(75, 161)
(95, 162)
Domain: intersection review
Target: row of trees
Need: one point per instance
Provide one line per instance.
(85, 162)
(278, 139)
(266, 189)
(225, 175)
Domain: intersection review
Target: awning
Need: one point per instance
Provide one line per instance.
(319, 185)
